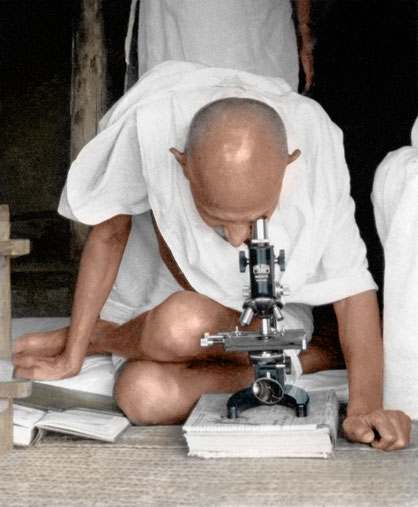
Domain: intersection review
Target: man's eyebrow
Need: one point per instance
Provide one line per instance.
(213, 216)
(237, 220)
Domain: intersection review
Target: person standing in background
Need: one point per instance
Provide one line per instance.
(259, 37)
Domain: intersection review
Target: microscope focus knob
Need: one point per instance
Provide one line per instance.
(246, 291)
(281, 260)
(285, 290)
(282, 290)
(243, 261)
(288, 365)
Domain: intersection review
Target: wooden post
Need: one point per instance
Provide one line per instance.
(88, 94)
(9, 388)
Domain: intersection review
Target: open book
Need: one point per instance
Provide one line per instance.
(264, 431)
(82, 405)
(91, 388)
(29, 424)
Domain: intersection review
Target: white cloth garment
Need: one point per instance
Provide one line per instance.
(255, 36)
(128, 169)
(395, 200)
(414, 134)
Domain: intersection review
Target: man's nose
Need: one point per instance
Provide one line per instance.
(236, 234)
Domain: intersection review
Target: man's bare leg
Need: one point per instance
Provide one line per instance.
(171, 332)
(171, 371)
(155, 393)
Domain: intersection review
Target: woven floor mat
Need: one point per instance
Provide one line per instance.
(149, 466)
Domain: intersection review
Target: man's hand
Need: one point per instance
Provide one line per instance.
(45, 368)
(388, 430)
(361, 342)
(40, 356)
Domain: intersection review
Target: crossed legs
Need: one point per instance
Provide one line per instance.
(167, 370)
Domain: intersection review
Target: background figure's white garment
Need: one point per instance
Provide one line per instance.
(128, 169)
(414, 134)
(255, 36)
(395, 199)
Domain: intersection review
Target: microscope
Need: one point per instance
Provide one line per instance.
(267, 347)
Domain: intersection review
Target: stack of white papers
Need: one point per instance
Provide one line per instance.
(264, 431)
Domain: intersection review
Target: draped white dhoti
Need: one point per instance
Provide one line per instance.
(127, 169)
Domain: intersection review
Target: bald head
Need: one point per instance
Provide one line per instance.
(210, 116)
(235, 157)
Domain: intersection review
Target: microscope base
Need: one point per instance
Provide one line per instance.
(293, 397)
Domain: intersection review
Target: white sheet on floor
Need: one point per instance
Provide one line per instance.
(324, 380)
(395, 199)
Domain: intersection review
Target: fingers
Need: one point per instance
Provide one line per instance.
(41, 344)
(44, 368)
(23, 343)
(387, 430)
(393, 427)
(31, 367)
(358, 430)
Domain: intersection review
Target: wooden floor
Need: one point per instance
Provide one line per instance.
(150, 466)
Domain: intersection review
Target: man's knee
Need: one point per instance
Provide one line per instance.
(180, 321)
(147, 394)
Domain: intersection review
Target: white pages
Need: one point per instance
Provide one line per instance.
(84, 423)
(264, 431)
(25, 431)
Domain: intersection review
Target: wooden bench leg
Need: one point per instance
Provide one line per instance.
(9, 388)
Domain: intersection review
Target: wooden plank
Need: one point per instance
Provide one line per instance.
(6, 419)
(88, 94)
(5, 304)
(19, 387)
(88, 90)
(15, 247)
(16, 388)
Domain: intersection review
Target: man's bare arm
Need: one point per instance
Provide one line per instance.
(99, 265)
(361, 342)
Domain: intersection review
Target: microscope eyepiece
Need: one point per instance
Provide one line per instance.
(259, 231)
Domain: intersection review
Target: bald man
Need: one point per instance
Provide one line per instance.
(239, 163)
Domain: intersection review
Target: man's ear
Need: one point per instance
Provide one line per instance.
(292, 157)
(182, 160)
